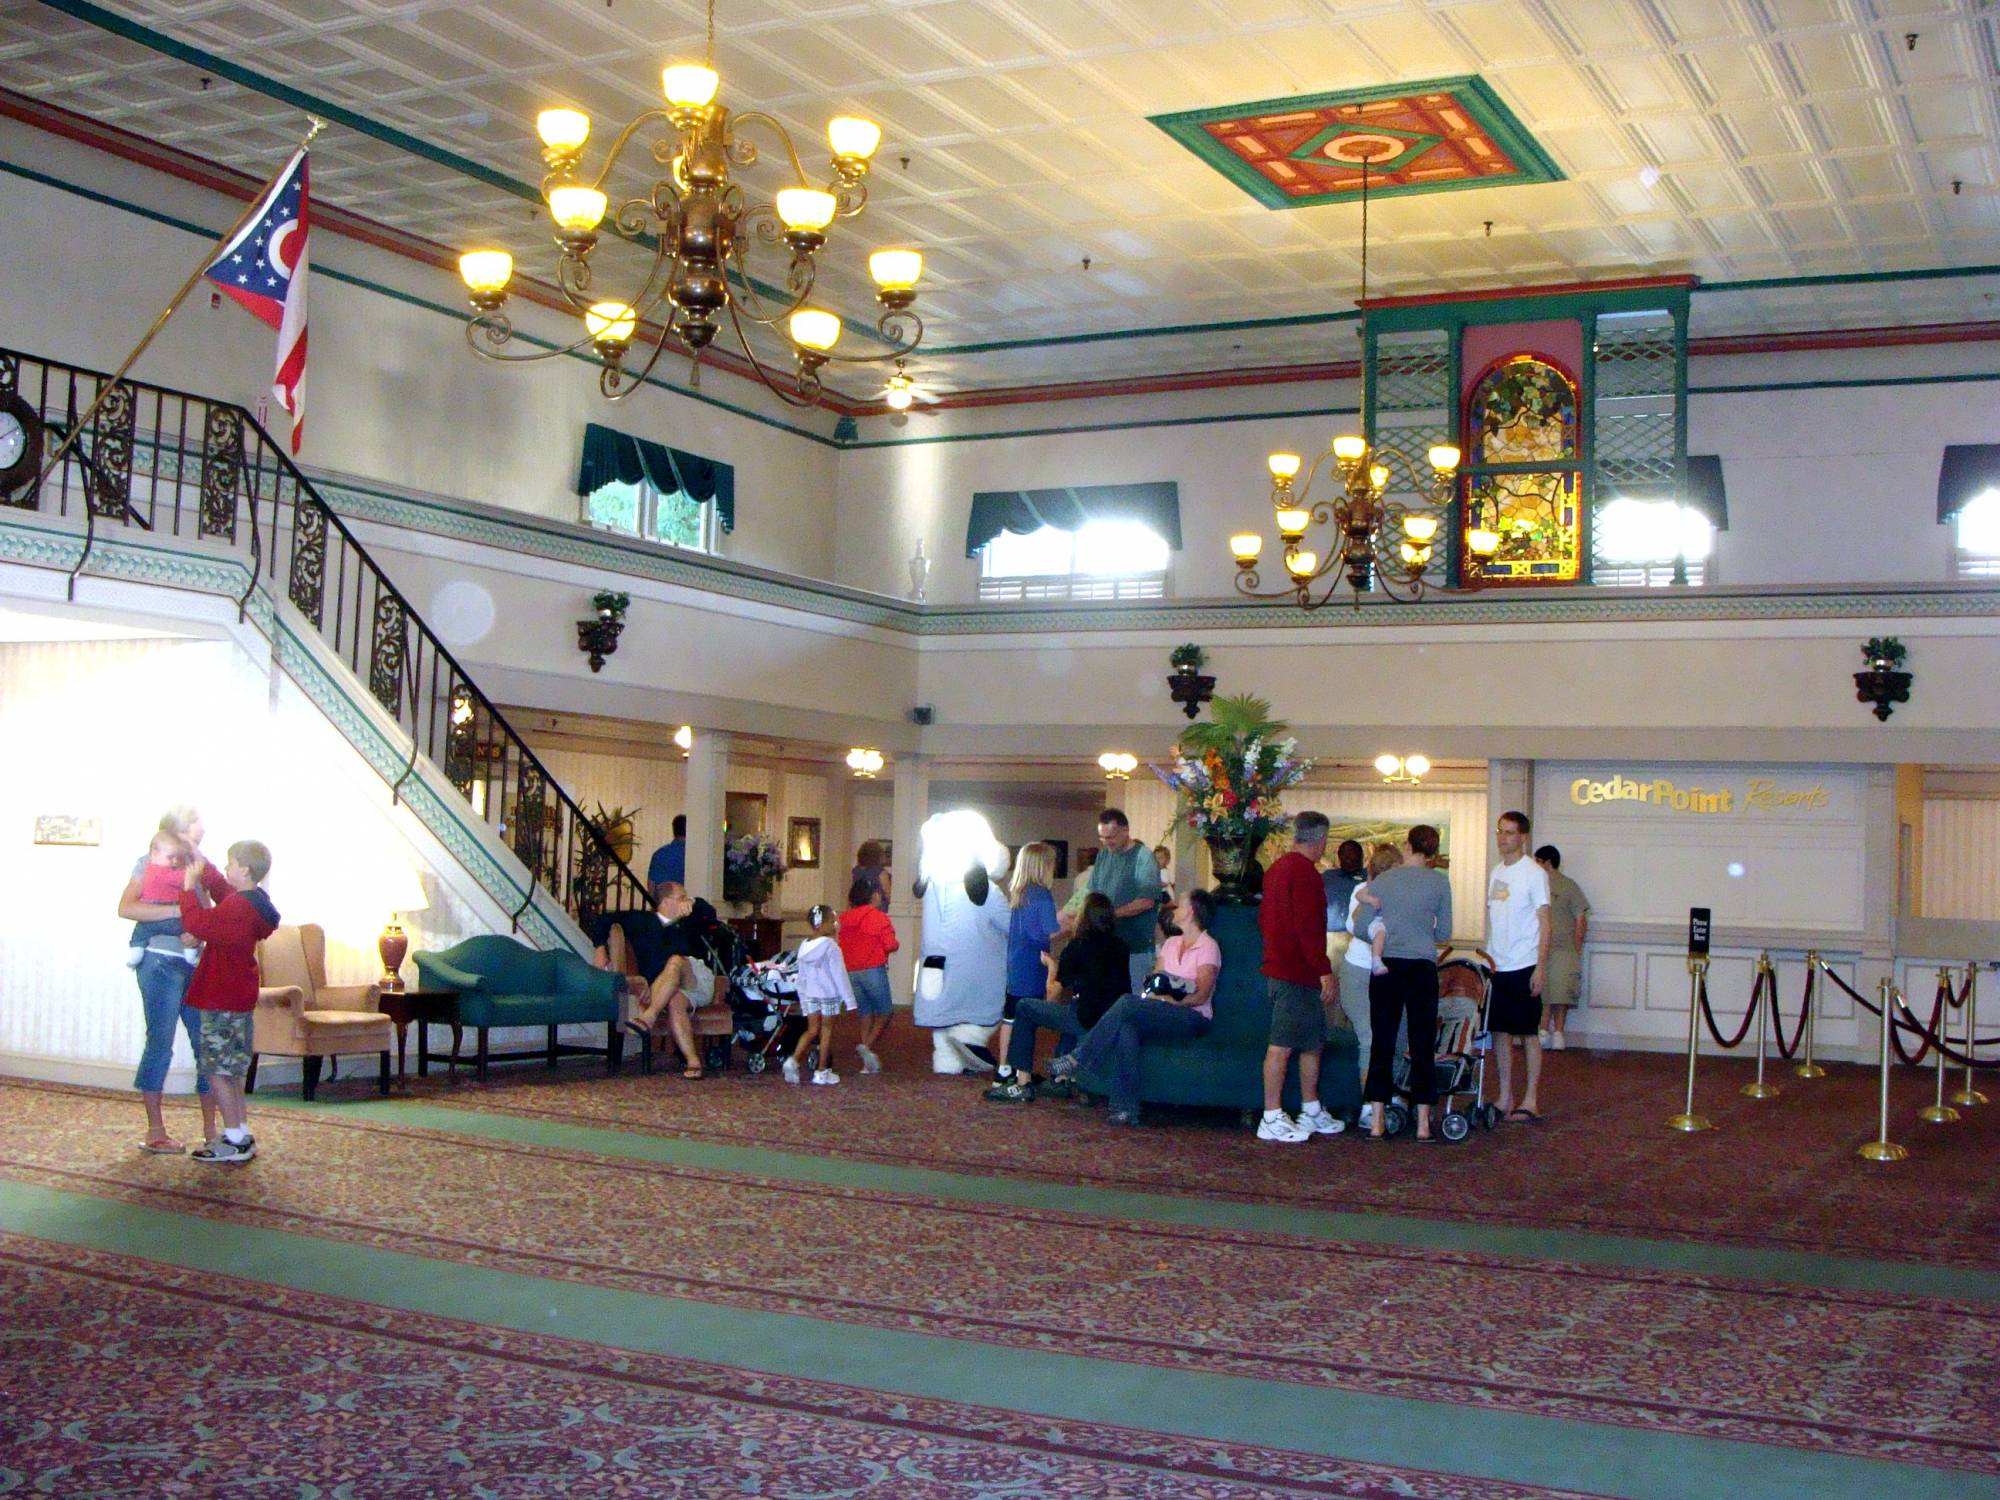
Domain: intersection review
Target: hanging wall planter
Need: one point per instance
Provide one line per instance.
(599, 636)
(1884, 684)
(1187, 683)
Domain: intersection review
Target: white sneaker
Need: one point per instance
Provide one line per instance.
(1278, 1126)
(1318, 1122)
(1542, 1036)
(1367, 1120)
(870, 1063)
(791, 1070)
(826, 1075)
(1555, 1043)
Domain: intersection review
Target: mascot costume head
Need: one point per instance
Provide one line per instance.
(962, 975)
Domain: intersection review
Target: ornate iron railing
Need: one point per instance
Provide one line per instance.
(180, 465)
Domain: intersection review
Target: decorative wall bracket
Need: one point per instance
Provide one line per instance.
(1883, 684)
(599, 637)
(1190, 687)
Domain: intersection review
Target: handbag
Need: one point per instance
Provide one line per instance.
(928, 982)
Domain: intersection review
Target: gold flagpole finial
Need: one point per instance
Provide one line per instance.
(317, 126)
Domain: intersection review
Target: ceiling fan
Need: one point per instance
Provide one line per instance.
(901, 390)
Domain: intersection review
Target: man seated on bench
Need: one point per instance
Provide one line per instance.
(662, 948)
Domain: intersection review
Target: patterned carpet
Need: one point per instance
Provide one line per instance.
(1865, 1374)
(1777, 1174)
(130, 1379)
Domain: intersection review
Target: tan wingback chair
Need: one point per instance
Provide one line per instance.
(300, 1015)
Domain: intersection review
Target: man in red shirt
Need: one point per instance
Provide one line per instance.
(225, 984)
(1300, 980)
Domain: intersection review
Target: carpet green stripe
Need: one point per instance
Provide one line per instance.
(1380, 1429)
(1789, 1267)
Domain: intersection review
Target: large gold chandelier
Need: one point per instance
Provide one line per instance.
(1376, 541)
(700, 226)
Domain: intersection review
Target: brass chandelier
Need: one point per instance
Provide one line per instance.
(1376, 541)
(700, 226)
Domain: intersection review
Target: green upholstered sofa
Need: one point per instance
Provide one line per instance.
(503, 982)
(1225, 1068)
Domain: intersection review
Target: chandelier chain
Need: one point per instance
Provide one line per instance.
(710, 58)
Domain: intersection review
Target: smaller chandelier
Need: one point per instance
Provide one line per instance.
(865, 764)
(684, 739)
(1118, 765)
(1403, 770)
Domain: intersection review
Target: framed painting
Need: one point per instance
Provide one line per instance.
(802, 843)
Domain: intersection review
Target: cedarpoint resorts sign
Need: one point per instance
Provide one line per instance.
(1753, 792)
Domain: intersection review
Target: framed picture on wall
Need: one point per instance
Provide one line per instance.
(802, 843)
(1370, 831)
(743, 812)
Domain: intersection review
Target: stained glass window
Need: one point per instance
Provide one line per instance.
(1523, 478)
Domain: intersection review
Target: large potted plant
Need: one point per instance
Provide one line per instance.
(1230, 773)
(752, 865)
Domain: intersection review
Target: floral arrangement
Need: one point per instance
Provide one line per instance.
(1231, 772)
(1884, 652)
(752, 865)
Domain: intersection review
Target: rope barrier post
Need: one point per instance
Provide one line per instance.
(1809, 1068)
(1687, 1120)
(1882, 1148)
(1937, 1112)
(1763, 993)
(1969, 1096)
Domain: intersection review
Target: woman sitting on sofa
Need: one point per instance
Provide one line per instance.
(1178, 1003)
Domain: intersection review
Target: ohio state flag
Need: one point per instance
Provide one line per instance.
(264, 268)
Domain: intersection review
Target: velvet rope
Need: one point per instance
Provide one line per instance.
(1928, 1033)
(1708, 1015)
(1778, 1021)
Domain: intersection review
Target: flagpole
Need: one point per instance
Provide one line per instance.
(104, 392)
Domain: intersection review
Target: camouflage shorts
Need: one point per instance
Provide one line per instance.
(225, 1043)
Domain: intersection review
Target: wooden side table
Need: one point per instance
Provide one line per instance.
(427, 1008)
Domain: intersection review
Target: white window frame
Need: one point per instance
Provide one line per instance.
(1648, 572)
(996, 587)
(647, 531)
(1983, 561)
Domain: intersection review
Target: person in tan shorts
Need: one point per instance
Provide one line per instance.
(1569, 923)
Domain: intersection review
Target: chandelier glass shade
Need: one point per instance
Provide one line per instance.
(1118, 765)
(700, 228)
(865, 763)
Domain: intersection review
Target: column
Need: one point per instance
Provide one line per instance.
(911, 805)
(707, 776)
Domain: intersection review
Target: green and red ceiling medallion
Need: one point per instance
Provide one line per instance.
(1433, 136)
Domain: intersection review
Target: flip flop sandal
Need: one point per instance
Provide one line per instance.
(643, 1032)
(693, 1073)
(1523, 1117)
(162, 1145)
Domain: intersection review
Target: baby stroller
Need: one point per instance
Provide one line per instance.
(1462, 1045)
(764, 1002)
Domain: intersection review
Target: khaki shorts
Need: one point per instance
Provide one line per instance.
(1298, 1020)
(225, 1043)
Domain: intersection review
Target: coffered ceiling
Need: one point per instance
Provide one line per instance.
(1738, 140)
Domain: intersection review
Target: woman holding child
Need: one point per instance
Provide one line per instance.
(1413, 904)
(163, 962)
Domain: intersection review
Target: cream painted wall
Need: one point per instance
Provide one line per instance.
(126, 729)
(1961, 858)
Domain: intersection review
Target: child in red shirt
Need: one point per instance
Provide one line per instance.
(225, 984)
(867, 938)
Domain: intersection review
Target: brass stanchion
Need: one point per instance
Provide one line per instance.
(1687, 1120)
(1882, 1148)
(1809, 1068)
(1763, 998)
(1969, 1096)
(1938, 1112)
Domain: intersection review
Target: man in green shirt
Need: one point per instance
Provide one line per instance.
(1127, 875)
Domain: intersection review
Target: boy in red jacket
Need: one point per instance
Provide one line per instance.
(225, 983)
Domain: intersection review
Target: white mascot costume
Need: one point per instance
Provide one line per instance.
(962, 974)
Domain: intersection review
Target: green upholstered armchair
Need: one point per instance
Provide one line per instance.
(1225, 1068)
(503, 982)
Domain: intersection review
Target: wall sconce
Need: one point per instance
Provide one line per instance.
(1403, 770)
(1118, 765)
(599, 636)
(1884, 684)
(1189, 686)
(684, 739)
(865, 764)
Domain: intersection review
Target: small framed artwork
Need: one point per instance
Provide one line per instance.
(802, 843)
(67, 828)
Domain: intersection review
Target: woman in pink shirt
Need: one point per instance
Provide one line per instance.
(1179, 1002)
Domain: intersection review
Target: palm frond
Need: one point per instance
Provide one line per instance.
(1232, 717)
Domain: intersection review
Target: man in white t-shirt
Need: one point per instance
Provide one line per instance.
(1517, 940)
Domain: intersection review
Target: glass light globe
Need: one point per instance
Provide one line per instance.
(1444, 458)
(1387, 764)
(814, 329)
(689, 85)
(896, 270)
(563, 129)
(1418, 765)
(1420, 528)
(1283, 465)
(611, 322)
(897, 397)
(684, 737)
(1302, 563)
(805, 208)
(1378, 476)
(1293, 522)
(577, 209)
(1246, 545)
(486, 271)
(1414, 555)
(1350, 448)
(1483, 543)
(850, 135)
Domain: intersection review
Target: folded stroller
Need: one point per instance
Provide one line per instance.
(764, 1003)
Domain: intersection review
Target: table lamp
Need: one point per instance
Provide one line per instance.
(406, 894)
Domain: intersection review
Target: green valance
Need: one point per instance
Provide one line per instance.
(1158, 506)
(1705, 492)
(1969, 470)
(619, 457)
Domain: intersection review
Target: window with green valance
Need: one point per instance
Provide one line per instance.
(1156, 506)
(612, 457)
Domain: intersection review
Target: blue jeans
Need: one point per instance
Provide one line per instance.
(1124, 1031)
(163, 984)
(1031, 1015)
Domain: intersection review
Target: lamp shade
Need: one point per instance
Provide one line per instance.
(563, 129)
(898, 394)
(1246, 545)
(577, 208)
(1350, 448)
(689, 85)
(1444, 458)
(1302, 564)
(850, 135)
(1292, 522)
(486, 270)
(401, 890)
(1388, 764)
(1420, 528)
(610, 322)
(1283, 465)
(1418, 765)
(813, 328)
(804, 208)
(896, 270)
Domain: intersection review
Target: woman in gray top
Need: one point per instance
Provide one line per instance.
(1413, 902)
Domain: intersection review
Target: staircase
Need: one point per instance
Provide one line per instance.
(181, 473)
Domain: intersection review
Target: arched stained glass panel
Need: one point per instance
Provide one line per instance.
(1523, 476)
